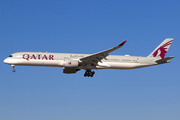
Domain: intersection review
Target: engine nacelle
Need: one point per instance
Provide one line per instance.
(71, 63)
(70, 70)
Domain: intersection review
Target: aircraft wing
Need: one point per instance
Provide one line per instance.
(97, 57)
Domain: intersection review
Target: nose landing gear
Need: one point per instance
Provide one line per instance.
(89, 73)
(13, 68)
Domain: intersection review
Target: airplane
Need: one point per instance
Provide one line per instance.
(72, 63)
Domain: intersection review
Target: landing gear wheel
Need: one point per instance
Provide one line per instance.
(88, 73)
(13, 68)
(92, 73)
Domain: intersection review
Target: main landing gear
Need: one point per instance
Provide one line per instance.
(89, 73)
(13, 68)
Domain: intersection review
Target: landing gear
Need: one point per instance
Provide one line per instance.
(13, 68)
(89, 73)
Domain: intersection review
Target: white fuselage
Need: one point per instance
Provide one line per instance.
(58, 60)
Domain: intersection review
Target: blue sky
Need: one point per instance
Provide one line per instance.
(82, 26)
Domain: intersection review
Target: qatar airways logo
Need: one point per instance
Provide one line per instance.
(162, 50)
(69, 63)
(38, 57)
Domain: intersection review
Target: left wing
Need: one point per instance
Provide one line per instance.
(97, 57)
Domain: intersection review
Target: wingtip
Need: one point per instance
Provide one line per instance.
(123, 43)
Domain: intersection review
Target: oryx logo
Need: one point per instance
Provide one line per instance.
(162, 50)
(69, 63)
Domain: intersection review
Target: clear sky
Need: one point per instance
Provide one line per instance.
(89, 26)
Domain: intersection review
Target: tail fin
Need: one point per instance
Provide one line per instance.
(162, 49)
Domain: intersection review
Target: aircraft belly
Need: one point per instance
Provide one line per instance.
(126, 65)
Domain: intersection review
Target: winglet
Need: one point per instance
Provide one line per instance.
(122, 43)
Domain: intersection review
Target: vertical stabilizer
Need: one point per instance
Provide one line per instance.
(162, 49)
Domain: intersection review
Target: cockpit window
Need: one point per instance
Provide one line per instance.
(10, 56)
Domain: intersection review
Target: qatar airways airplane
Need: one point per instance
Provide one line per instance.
(72, 63)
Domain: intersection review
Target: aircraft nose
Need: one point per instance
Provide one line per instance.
(6, 61)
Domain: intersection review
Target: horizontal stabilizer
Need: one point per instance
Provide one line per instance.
(165, 60)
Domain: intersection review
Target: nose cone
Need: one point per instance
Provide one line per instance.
(6, 61)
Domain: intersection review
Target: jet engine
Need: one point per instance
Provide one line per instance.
(71, 63)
